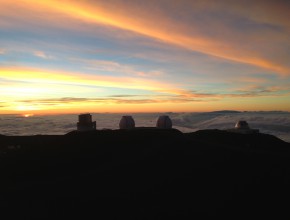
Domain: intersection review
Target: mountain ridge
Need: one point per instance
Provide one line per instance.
(145, 173)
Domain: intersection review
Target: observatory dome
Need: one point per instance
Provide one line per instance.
(242, 125)
(127, 122)
(164, 121)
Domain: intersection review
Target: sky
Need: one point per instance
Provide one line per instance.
(74, 56)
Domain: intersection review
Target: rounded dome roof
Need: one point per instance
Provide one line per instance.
(164, 121)
(242, 125)
(127, 122)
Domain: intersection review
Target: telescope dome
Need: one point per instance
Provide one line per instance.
(127, 122)
(164, 122)
(242, 125)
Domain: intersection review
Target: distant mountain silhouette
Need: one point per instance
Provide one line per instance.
(145, 173)
(225, 112)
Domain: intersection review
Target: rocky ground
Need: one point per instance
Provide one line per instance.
(145, 173)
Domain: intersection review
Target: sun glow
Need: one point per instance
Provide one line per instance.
(27, 115)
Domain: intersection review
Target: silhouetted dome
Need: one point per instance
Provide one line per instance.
(127, 122)
(242, 125)
(164, 122)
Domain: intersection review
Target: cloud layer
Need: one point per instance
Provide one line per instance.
(275, 123)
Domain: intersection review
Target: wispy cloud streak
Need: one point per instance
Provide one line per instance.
(42, 55)
(189, 35)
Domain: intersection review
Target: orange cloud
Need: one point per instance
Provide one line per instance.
(129, 16)
(136, 19)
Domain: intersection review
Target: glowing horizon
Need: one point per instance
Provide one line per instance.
(80, 56)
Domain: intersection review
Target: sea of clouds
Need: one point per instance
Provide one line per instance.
(275, 123)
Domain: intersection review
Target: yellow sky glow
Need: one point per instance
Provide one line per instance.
(50, 77)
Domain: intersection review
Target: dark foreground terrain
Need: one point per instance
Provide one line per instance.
(145, 174)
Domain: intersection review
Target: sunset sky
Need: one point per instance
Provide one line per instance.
(75, 56)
